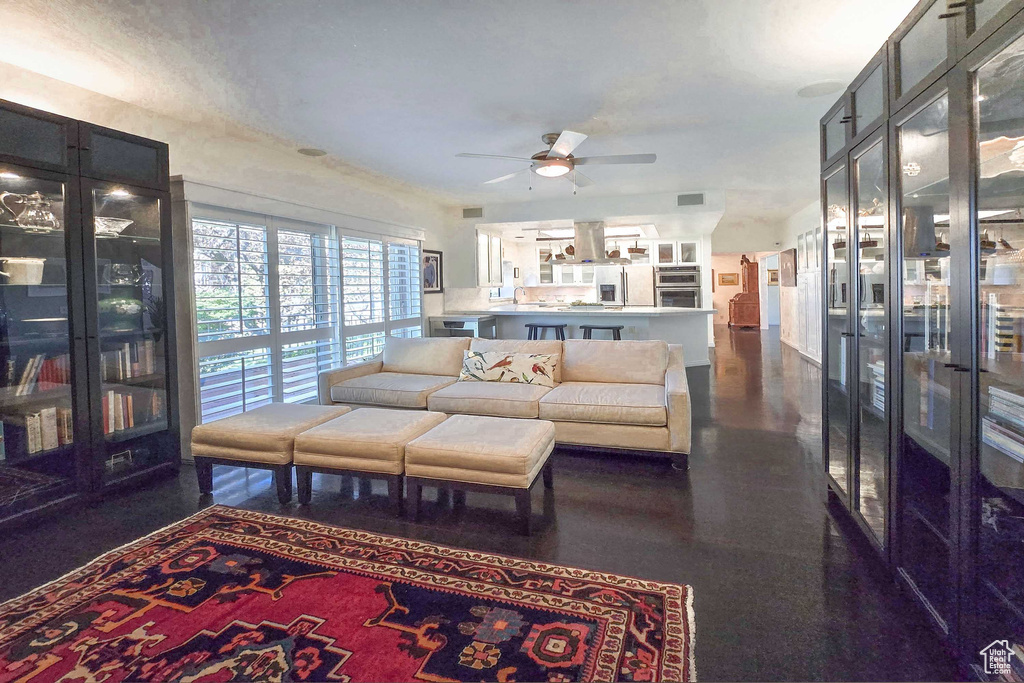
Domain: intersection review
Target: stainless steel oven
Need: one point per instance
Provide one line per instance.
(678, 276)
(678, 297)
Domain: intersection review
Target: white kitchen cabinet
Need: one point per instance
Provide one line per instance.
(664, 253)
(488, 259)
(688, 253)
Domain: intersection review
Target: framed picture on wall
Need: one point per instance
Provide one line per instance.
(787, 264)
(728, 279)
(773, 277)
(433, 272)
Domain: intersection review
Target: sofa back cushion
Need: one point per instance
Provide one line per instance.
(624, 362)
(548, 346)
(501, 366)
(430, 356)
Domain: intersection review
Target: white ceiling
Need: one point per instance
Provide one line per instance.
(400, 87)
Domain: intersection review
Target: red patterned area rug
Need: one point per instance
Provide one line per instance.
(231, 595)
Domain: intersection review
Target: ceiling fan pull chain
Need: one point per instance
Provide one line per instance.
(574, 182)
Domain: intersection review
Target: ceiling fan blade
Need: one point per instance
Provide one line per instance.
(617, 159)
(566, 143)
(581, 180)
(492, 156)
(506, 177)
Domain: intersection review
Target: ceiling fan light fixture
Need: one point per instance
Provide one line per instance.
(553, 168)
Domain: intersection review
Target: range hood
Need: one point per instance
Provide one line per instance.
(589, 247)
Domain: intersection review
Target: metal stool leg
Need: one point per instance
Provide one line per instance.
(587, 333)
(616, 336)
(560, 333)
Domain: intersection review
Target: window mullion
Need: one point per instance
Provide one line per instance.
(274, 271)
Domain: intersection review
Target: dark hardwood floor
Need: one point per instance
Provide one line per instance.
(781, 593)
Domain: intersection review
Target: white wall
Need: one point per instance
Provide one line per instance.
(749, 237)
(771, 299)
(725, 263)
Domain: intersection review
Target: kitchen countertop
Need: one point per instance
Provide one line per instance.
(526, 309)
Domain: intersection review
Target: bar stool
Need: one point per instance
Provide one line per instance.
(535, 330)
(588, 331)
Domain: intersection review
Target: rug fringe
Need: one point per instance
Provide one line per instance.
(692, 629)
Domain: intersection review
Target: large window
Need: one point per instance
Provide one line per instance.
(278, 302)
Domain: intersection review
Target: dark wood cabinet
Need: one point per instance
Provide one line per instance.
(923, 396)
(87, 393)
(745, 307)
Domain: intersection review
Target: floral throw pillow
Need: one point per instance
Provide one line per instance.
(500, 366)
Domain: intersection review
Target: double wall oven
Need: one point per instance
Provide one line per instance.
(677, 286)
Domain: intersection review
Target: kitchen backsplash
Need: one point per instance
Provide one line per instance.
(568, 293)
(466, 298)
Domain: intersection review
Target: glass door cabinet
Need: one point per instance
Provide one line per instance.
(84, 335)
(923, 245)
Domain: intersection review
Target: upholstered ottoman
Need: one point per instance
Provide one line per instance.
(493, 454)
(263, 438)
(368, 442)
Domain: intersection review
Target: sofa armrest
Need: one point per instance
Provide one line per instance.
(677, 401)
(329, 378)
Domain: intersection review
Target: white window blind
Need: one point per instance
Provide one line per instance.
(404, 282)
(231, 280)
(278, 303)
(362, 268)
(308, 277)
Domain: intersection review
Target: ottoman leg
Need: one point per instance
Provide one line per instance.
(549, 474)
(304, 478)
(204, 472)
(395, 493)
(415, 494)
(458, 499)
(523, 510)
(283, 481)
(365, 487)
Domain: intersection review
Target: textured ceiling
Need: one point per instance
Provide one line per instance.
(400, 87)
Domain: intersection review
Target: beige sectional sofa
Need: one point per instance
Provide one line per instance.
(610, 394)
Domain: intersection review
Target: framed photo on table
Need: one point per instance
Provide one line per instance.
(433, 272)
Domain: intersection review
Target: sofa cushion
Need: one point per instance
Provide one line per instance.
(431, 356)
(364, 440)
(624, 362)
(500, 399)
(265, 434)
(482, 450)
(548, 346)
(397, 389)
(504, 366)
(628, 404)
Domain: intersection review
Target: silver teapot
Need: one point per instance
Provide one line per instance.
(35, 214)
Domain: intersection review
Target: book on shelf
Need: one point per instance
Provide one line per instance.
(38, 372)
(48, 428)
(131, 360)
(1006, 405)
(36, 431)
(124, 411)
(1003, 439)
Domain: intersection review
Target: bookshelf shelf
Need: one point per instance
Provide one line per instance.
(137, 431)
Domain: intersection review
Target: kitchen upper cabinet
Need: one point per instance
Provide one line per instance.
(688, 253)
(488, 259)
(665, 253)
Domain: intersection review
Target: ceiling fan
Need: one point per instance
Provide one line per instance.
(558, 162)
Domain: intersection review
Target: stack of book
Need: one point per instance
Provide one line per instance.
(37, 431)
(878, 384)
(124, 410)
(38, 370)
(1008, 408)
(131, 360)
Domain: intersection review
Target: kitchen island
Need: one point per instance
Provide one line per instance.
(685, 326)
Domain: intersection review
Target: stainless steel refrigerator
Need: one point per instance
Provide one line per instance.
(625, 285)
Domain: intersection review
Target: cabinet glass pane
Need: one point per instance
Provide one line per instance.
(687, 252)
(923, 48)
(870, 170)
(32, 138)
(868, 99)
(835, 134)
(987, 10)
(1000, 207)
(836, 199)
(37, 460)
(666, 253)
(132, 323)
(110, 156)
(495, 264)
(545, 257)
(924, 225)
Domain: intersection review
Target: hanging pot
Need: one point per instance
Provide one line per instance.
(867, 242)
(637, 249)
(988, 246)
(941, 244)
(570, 250)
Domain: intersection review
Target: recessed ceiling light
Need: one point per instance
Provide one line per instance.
(821, 89)
(120, 192)
(312, 152)
(7, 175)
